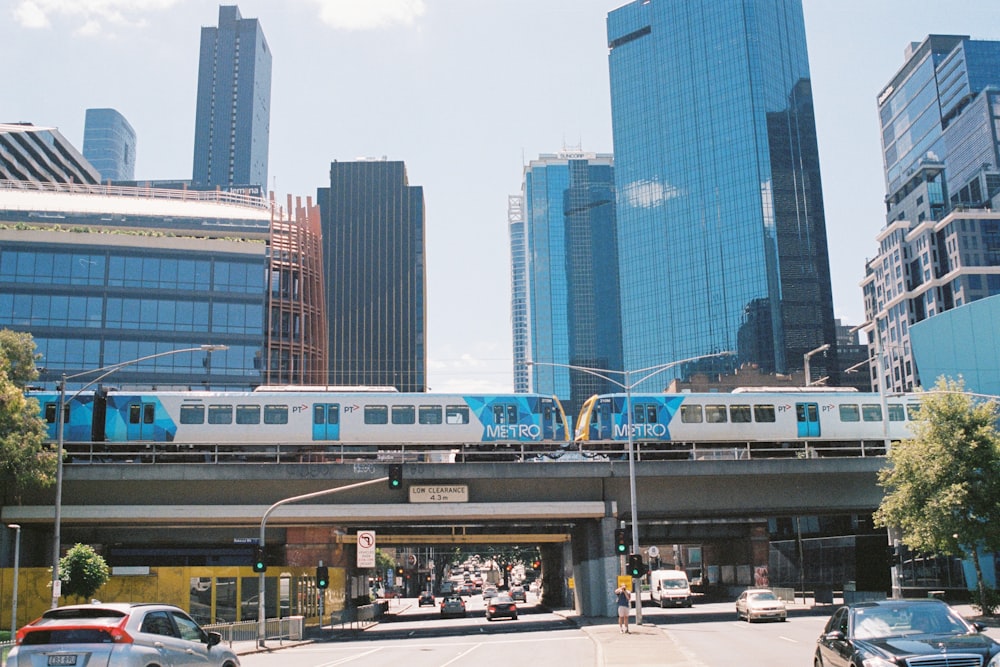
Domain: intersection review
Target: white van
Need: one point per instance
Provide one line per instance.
(669, 588)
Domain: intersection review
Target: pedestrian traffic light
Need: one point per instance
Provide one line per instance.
(395, 477)
(259, 562)
(636, 568)
(322, 577)
(621, 541)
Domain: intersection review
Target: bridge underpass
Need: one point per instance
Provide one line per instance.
(570, 508)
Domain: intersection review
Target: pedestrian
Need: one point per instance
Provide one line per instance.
(624, 600)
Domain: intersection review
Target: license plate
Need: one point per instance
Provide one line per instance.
(62, 659)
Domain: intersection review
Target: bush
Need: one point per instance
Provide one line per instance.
(988, 605)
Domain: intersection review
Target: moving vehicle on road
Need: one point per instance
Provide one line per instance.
(903, 632)
(452, 605)
(759, 604)
(118, 635)
(669, 588)
(501, 606)
(426, 597)
(517, 594)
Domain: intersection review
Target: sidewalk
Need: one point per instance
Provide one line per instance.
(644, 646)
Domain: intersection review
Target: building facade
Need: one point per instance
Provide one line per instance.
(374, 250)
(521, 334)
(232, 122)
(109, 144)
(571, 270)
(37, 154)
(940, 248)
(722, 238)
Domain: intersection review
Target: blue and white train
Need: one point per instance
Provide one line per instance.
(309, 416)
(763, 419)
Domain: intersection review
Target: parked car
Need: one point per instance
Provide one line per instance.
(426, 597)
(118, 635)
(758, 604)
(517, 594)
(453, 605)
(501, 606)
(903, 632)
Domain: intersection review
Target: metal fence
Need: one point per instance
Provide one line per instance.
(291, 628)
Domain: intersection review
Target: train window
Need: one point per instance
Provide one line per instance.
(50, 412)
(322, 414)
(715, 414)
(376, 414)
(871, 412)
(429, 414)
(247, 414)
(499, 415)
(691, 414)
(220, 414)
(849, 413)
(913, 411)
(739, 414)
(896, 413)
(133, 413)
(275, 414)
(192, 414)
(763, 414)
(404, 414)
(456, 414)
(148, 413)
(511, 414)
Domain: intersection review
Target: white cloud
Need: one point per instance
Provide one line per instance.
(649, 193)
(91, 15)
(30, 15)
(368, 14)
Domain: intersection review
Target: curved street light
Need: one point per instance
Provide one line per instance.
(628, 384)
(807, 356)
(104, 371)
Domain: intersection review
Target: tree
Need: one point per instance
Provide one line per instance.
(943, 485)
(25, 461)
(82, 571)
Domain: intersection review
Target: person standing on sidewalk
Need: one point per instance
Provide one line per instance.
(624, 600)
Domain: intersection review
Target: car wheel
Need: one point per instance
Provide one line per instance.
(514, 617)
(489, 618)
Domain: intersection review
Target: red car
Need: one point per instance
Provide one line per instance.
(501, 606)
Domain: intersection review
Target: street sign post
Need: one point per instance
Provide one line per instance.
(366, 549)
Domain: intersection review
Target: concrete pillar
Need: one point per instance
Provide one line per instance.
(595, 567)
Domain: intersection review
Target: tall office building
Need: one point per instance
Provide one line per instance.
(570, 263)
(939, 116)
(721, 231)
(521, 334)
(109, 144)
(373, 248)
(232, 124)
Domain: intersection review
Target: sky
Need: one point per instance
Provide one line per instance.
(465, 92)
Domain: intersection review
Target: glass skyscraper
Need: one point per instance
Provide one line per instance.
(721, 232)
(571, 267)
(232, 123)
(373, 252)
(109, 144)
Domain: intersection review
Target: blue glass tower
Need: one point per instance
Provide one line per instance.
(721, 230)
(572, 273)
(232, 123)
(109, 144)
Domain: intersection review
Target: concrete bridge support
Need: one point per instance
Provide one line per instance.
(595, 567)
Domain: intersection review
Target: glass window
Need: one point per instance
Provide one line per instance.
(403, 414)
(275, 414)
(376, 414)
(456, 414)
(896, 413)
(192, 414)
(247, 414)
(912, 411)
(429, 414)
(763, 414)
(220, 414)
(715, 414)
(691, 414)
(871, 412)
(849, 413)
(739, 414)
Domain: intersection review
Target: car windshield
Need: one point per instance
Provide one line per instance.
(899, 620)
(675, 583)
(762, 595)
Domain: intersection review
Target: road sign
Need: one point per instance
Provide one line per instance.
(366, 548)
(439, 493)
(654, 552)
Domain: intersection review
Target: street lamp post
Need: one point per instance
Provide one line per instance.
(805, 360)
(17, 564)
(628, 384)
(104, 371)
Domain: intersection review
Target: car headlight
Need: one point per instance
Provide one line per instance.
(877, 662)
(994, 661)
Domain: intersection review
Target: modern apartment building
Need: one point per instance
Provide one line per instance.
(109, 144)
(232, 123)
(721, 233)
(570, 261)
(940, 248)
(373, 250)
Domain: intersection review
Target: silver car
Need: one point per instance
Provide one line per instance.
(118, 635)
(758, 604)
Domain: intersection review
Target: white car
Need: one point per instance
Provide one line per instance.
(118, 635)
(758, 604)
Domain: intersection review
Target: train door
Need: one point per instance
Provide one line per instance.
(602, 425)
(326, 421)
(552, 421)
(505, 414)
(141, 421)
(807, 416)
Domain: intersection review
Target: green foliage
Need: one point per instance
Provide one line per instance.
(383, 561)
(988, 602)
(82, 571)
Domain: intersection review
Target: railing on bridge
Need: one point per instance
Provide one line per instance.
(173, 452)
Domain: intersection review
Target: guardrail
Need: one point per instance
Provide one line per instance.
(291, 628)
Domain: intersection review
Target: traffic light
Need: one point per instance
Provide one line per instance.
(636, 568)
(621, 541)
(322, 577)
(259, 562)
(536, 564)
(895, 555)
(395, 477)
